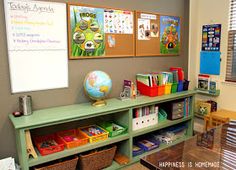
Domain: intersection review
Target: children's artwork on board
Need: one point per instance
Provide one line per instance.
(144, 29)
(169, 35)
(86, 32)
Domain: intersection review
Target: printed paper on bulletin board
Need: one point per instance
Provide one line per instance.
(97, 32)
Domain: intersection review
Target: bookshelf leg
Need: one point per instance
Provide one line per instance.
(21, 149)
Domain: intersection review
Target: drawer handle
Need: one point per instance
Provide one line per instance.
(180, 110)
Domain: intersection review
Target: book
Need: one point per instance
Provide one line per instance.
(203, 82)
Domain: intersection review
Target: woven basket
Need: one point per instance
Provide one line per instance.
(97, 160)
(69, 164)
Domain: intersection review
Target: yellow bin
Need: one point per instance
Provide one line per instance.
(168, 88)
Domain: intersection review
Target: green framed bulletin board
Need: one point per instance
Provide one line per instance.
(100, 32)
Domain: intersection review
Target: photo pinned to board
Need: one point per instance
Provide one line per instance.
(154, 30)
(111, 41)
(144, 32)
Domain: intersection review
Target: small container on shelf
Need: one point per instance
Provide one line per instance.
(137, 150)
(162, 115)
(180, 86)
(168, 88)
(160, 90)
(174, 87)
(113, 128)
(185, 85)
(72, 138)
(146, 90)
(94, 133)
(148, 144)
(48, 144)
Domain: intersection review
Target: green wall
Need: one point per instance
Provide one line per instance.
(118, 68)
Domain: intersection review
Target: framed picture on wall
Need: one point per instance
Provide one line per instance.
(169, 34)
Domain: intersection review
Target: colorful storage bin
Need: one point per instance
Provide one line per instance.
(148, 144)
(180, 86)
(174, 87)
(113, 128)
(160, 90)
(162, 115)
(48, 144)
(168, 88)
(72, 138)
(94, 133)
(185, 85)
(146, 90)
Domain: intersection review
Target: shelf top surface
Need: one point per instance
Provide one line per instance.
(57, 115)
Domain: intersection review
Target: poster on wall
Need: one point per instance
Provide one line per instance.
(144, 29)
(118, 21)
(211, 37)
(169, 35)
(86, 32)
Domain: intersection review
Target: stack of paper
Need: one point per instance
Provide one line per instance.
(7, 164)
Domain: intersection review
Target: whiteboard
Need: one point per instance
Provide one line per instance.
(37, 45)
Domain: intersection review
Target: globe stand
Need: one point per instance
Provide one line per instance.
(99, 103)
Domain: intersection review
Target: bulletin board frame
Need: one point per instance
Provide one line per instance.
(151, 46)
(124, 43)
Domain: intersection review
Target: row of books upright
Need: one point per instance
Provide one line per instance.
(187, 106)
(145, 111)
(158, 79)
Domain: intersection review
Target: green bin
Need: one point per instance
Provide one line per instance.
(174, 87)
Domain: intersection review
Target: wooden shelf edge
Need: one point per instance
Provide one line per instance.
(77, 150)
(217, 93)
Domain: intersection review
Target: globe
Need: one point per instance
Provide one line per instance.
(97, 85)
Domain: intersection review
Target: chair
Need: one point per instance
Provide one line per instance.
(213, 121)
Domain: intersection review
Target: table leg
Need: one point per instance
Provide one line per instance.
(21, 149)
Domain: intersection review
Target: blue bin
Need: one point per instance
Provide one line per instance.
(180, 86)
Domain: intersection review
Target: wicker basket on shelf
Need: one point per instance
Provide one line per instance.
(69, 164)
(97, 160)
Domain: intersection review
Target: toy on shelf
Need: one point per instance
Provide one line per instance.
(129, 91)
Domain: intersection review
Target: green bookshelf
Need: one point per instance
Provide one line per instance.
(85, 114)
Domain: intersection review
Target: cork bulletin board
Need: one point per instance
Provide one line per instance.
(147, 34)
(100, 32)
(157, 34)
